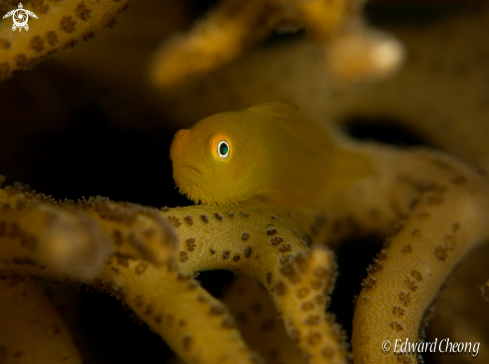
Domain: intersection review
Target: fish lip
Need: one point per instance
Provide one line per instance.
(192, 167)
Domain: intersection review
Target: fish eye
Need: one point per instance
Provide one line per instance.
(223, 149)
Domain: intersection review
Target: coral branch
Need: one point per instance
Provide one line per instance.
(60, 25)
(75, 239)
(35, 232)
(163, 297)
(441, 226)
(264, 243)
(257, 320)
(221, 37)
(227, 31)
(31, 330)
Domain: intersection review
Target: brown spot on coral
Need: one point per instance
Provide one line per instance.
(21, 60)
(187, 342)
(319, 299)
(181, 277)
(245, 236)
(170, 320)
(245, 214)
(138, 301)
(328, 352)
(227, 323)
(53, 330)
(268, 277)
(416, 233)
(230, 214)
(4, 70)
(314, 338)
(295, 335)
(278, 288)
(190, 244)
(316, 285)
(434, 200)
(458, 179)
(236, 257)
(406, 249)
(226, 254)
(86, 38)
(369, 282)
(394, 325)
(405, 298)
(189, 220)
(307, 306)
(158, 318)
(273, 217)
(242, 317)
(174, 220)
(273, 354)
(204, 218)
(312, 320)
(271, 231)
(256, 308)
(51, 38)
(285, 248)
(248, 252)
(4, 43)
(289, 271)
(218, 216)
(202, 298)
(67, 24)
(122, 260)
(276, 240)
(417, 275)
(109, 21)
(183, 256)
(267, 325)
(398, 311)
(410, 284)
(82, 12)
(423, 216)
(321, 272)
(212, 251)
(441, 252)
(140, 269)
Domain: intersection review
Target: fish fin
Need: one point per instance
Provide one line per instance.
(346, 169)
(276, 108)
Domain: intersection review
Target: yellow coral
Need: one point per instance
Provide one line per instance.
(408, 186)
(61, 25)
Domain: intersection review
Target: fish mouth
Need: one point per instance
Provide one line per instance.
(192, 168)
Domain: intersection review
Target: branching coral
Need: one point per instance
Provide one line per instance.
(32, 331)
(60, 25)
(264, 241)
(148, 258)
(229, 29)
(424, 97)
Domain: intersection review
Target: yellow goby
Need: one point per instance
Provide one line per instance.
(267, 151)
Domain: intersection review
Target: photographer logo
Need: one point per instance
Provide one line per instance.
(20, 17)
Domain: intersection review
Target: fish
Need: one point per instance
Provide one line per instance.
(269, 152)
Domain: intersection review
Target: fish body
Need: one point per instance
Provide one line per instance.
(267, 151)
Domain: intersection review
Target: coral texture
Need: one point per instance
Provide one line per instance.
(90, 123)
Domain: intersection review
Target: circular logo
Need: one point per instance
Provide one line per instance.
(386, 346)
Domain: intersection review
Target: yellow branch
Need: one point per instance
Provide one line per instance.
(31, 330)
(60, 25)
